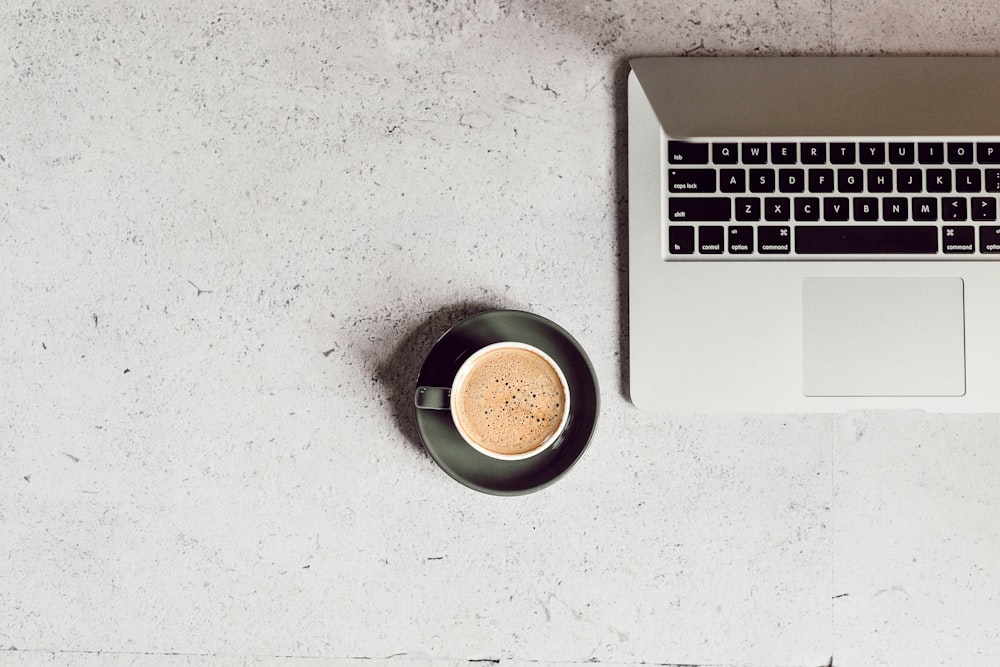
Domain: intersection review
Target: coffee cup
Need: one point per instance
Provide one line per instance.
(509, 400)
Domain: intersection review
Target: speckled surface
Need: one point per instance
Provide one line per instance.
(230, 232)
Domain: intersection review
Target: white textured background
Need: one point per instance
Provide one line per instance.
(229, 232)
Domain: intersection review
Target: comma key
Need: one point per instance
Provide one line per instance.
(954, 209)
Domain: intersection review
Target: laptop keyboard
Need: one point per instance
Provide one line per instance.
(836, 199)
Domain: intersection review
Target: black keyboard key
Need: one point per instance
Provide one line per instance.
(872, 153)
(901, 153)
(988, 153)
(984, 209)
(909, 180)
(791, 180)
(782, 153)
(821, 180)
(895, 209)
(806, 209)
(740, 240)
(880, 180)
(680, 239)
(866, 209)
(850, 180)
(725, 153)
(687, 152)
(732, 180)
(841, 153)
(930, 152)
(691, 180)
(711, 239)
(924, 209)
(992, 180)
(699, 209)
(774, 240)
(777, 209)
(939, 180)
(866, 239)
(836, 209)
(960, 153)
(989, 240)
(754, 153)
(958, 239)
(762, 180)
(747, 209)
(813, 153)
(968, 180)
(954, 209)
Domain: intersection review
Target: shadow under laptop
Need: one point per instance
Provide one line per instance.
(619, 87)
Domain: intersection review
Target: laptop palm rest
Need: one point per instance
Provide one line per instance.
(883, 337)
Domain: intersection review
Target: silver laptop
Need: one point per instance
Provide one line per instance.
(811, 234)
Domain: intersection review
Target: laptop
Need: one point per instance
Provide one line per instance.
(814, 234)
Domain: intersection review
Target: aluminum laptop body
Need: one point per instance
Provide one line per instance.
(811, 287)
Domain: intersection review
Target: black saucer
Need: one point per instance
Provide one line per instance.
(478, 471)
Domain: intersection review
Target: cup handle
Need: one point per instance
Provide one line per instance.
(432, 398)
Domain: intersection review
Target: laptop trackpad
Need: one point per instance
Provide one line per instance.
(883, 337)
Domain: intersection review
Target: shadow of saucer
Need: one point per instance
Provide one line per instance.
(398, 372)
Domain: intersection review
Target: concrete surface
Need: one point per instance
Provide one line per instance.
(228, 234)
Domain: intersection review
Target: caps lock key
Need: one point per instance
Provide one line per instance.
(691, 180)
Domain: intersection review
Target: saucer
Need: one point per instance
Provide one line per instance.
(478, 471)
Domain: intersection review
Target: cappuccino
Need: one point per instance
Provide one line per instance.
(510, 400)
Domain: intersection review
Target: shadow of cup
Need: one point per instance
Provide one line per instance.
(398, 372)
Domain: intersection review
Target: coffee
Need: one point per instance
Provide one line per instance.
(510, 401)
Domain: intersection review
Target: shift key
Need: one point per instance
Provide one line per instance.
(699, 209)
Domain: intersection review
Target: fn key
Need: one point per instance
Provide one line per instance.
(680, 239)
